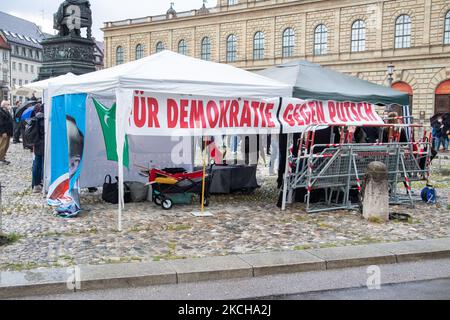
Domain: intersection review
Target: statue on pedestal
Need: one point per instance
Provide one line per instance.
(72, 16)
(68, 51)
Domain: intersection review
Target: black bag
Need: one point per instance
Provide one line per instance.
(110, 192)
(31, 133)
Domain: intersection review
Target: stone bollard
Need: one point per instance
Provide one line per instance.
(375, 193)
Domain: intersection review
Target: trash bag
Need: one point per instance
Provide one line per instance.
(138, 191)
(429, 194)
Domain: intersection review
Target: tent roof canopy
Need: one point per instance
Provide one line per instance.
(312, 81)
(171, 72)
(43, 84)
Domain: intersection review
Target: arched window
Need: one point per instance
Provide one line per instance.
(447, 29)
(258, 46)
(403, 32)
(288, 43)
(406, 88)
(206, 49)
(320, 40)
(443, 97)
(182, 47)
(358, 36)
(159, 47)
(119, 55)
(139, 51)
(231, 48)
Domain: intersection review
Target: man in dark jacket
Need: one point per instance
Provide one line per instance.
(16, 135)
(440, 134)
(6, 131)
(38, 150)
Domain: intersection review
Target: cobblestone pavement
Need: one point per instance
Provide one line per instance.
(241, 224)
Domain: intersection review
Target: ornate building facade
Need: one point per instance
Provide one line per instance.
(358, 37)
(24, 38)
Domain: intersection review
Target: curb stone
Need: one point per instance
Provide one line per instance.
(113, 276)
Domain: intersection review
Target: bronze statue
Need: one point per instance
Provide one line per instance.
(70, 20)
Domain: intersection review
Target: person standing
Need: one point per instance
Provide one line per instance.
(275, 153)
(440, 134)
(446, 139)
(16, 127)
(6, 131)
(37, 140)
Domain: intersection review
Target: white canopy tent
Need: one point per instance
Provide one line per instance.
(43, 85)
(174, 73)
(170, 73)
(40, 87)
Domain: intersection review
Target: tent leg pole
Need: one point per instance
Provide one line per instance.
(119, 226)
(286, 174)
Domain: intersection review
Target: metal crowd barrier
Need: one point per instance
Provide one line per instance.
(336, 169)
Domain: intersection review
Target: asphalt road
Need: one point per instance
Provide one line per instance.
(423, 290)
(397, 281)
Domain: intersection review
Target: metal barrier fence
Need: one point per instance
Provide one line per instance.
(336, 169)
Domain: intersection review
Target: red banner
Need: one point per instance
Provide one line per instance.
(296, 115)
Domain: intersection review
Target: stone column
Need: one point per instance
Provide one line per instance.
(375, 194)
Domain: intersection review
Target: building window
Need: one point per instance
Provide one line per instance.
(119, 55)
(403, 32)
(231, 48)
(232, 2)
(447, 29)
(17, 50)
(320, 40)
(32, 69)
(258, 46)
(14, 66)
(288, 42)
(14, 81)
(159, 47)
(24, 52)
(358, 36)
(139, 51)
(26, 68)
(406, 88)
(182, 47)
(20, 83)
(206, 49)
(442, 98)
(20, 67)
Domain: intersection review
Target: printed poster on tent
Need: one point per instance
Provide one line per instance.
(67, 147)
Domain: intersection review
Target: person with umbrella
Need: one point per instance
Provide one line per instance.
(24, 113)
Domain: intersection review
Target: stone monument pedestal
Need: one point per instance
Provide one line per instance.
(375, 193)
(63, 54)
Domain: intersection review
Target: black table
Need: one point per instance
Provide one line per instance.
(233, 178)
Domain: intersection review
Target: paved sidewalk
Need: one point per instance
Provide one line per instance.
(282, 285)
(242, 224)
(102, 277)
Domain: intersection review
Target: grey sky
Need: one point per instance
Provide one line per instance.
(41, 11)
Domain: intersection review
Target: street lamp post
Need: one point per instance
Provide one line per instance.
(390, 72)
